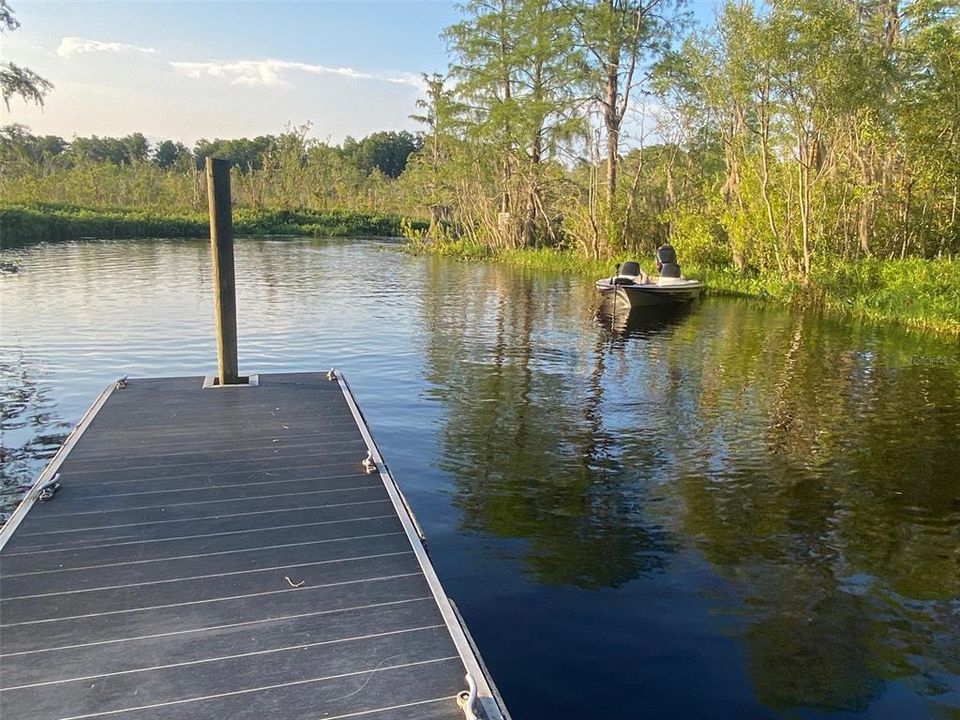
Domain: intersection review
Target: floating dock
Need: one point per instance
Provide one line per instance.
(227, 553)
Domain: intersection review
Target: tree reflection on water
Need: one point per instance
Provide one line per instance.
(816, 477)
(532, 459)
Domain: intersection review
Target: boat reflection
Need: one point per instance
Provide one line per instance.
(623, 321)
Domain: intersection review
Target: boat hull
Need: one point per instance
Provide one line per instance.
(650, 295)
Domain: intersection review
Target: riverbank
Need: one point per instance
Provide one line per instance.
(919, 294)
(24, 224)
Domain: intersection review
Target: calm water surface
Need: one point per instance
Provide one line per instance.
(739, 512)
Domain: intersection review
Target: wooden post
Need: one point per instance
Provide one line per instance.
(224, 285)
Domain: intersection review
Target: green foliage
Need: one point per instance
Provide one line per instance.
(246, 154)
(54, 223)
(16, 80)
(555, 261)
(331, 223)
(916, 292)
(698, 237)
(386, 152)
(128, 150)
(169, 154)
(423, 239)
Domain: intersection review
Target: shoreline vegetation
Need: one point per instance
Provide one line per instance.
(802, 150)
(26, 224)
(918, 294)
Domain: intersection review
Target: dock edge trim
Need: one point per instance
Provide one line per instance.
(48, 472)
(488, 698)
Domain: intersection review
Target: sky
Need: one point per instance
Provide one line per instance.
(189, 70)
(220, 69)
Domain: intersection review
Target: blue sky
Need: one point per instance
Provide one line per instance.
(226, 69)
(186, 70)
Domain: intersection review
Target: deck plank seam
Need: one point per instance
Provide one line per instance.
(208, 577)
(202, 555)
(218, 474)
(190, 603)
(220, 658)
(212, 628)
(102, 471)
(267, 687)
(204, 488)
(443, 698)
(206, 502)
(233, 453)
(149, 447)
(246, 433)
(227, 533)
(302, 427)
(241, 414)
(299, 508)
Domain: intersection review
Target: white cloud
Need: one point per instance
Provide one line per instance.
(272, 72)
(411, 79)
(75, 46)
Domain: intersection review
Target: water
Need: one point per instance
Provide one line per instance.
(738, 512)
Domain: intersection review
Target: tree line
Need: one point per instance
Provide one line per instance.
(288, 170)
(386, 152)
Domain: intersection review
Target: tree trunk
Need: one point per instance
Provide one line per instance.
(765, 188)
(804, 198)
(507, 95)
(906, 220)
(612, 123)
(631, 202)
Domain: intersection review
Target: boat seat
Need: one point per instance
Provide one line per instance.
(667, 261)
(670, 270)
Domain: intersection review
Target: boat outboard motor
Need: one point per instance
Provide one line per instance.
(667, 262)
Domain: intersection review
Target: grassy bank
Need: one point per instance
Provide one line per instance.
(919, 294)
(21, 224)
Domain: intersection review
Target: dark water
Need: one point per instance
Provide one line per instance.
(738, 512)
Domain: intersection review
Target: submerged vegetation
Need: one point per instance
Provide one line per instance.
(807, 150)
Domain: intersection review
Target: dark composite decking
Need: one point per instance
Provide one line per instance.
(221, 553)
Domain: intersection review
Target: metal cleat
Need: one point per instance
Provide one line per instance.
(48, 490)
(369, 464)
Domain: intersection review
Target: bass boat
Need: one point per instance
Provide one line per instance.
(631, 287)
